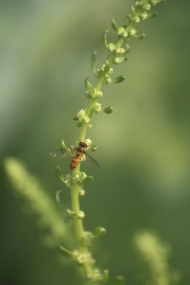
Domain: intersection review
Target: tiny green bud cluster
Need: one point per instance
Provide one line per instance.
(91, 91)
(82, 118)
(80, 178)
(140, 11)
(82, 258)
(75, 215)
(97, 107)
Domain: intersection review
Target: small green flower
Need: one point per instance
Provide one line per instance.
(111, 47)
(118, 60)
(120, 51)
(99, 232)
(81, 117)
(97, 108)
(68, 180)
(89, 142)
(147, 7)
(82, 258)
(87, 238)
(133, 16)
(98, 94)
(144, 15)
(107, 79)
(123, 33)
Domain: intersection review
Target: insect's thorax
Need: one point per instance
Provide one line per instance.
(80, 150)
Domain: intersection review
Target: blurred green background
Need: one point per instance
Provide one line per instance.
(143, 147)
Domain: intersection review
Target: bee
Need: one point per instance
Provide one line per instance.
(80, 153)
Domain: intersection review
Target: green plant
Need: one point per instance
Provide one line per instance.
(79, 250)
(76, 181)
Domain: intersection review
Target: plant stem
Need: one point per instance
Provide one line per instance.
(139, 12)
(82, 250)
(78, 224)
(88, 265)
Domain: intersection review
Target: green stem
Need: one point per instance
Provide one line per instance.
(89, 271)
(89, 111)
(78, 225)
(84, 127)
(83, 252)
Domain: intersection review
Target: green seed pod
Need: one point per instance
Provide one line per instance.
(118, 79)
(108, 110)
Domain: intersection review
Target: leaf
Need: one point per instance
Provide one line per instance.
(114, 25)
(104, 38)
(89, 88)
(59, 173)
(94, 62)
(65, 252)
(86, 179)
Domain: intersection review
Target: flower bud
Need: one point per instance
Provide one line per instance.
(118, 79)
(81, 117)
(118, 60)
(98, 94)
(120, 51)
(108, 110)
(99, 232)
(122, 32)
(139, 36)
(97, 108)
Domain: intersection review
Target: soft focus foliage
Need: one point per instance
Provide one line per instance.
(155, 254)
(40, 203)
(143, 146)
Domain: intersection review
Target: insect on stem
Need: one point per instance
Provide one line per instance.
(80, 153)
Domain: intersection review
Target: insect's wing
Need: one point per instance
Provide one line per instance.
(92, 161)
(58, 153)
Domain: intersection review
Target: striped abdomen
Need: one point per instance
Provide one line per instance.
(76, 160)
(80, 151)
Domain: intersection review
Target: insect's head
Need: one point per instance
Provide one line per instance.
(83, 144)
